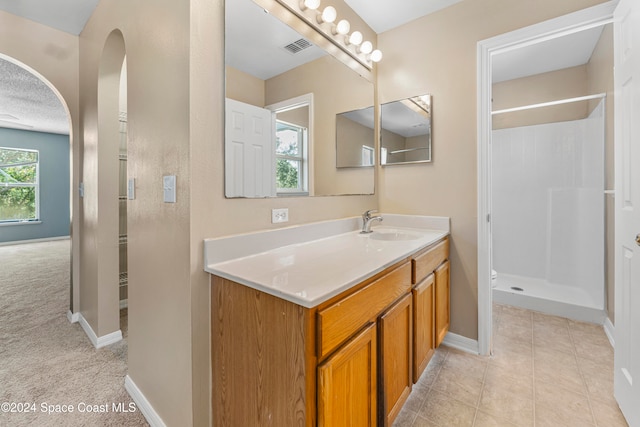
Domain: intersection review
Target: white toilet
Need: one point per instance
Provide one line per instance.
(494, 277)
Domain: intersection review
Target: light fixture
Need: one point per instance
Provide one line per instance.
(309, 4)
(366, 47)
(328, 15)
(362, 51)
(342, 27)
(376, 56)
(355, 38)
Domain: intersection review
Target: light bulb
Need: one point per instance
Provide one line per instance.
(328, 15)
(309, 4)
(355, 38)
(376, 56)
(342, 27)
(366, 47)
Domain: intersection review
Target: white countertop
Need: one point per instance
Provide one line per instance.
(318, 261)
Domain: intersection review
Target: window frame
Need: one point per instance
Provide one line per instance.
(35, 185)
(302, 159)
(305, 100)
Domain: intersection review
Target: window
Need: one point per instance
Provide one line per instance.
(18, 185)
(290, 157)
(368, 156)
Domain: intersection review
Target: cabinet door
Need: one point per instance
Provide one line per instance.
(347, 384)
(395, 358)
(442, 302)
(423, 325)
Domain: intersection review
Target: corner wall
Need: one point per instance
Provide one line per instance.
(156, 38)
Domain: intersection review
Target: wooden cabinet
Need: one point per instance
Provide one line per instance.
(349, 361)
(424, 343)
(442, 302)
(430, 274)
(396, 354)
(347, 383)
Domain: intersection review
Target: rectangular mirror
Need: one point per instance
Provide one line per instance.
(406, 131)
(355, 138)
(281, 87)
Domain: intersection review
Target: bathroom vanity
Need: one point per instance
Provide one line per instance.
(321, 325)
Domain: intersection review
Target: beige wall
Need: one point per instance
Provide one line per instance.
(600, 80)
(160, 238)
(447, 70)
(53, 55)
(244, 87)
(546, 87)
(350, 137)
(336, 89)
(393, 141)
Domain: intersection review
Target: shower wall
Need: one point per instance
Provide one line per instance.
(548, 205)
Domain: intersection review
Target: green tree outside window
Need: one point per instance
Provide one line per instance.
(18, 185)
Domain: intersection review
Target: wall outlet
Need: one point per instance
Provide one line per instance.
(279, 215)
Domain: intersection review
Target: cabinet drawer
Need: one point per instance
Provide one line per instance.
(426, 263)
(341, 320)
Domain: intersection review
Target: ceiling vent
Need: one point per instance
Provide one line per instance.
(298, 46)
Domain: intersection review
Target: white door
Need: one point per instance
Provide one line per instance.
(249, 153)
(627, 209)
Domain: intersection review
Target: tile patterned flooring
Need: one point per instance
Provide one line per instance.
(546, 371)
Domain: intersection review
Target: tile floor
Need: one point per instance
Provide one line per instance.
(545, 371)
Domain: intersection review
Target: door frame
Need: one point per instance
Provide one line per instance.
(568, 24)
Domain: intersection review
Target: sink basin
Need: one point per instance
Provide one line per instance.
(393, 236)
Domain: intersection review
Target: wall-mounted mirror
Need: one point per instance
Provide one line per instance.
(355, 139)
(406, 131)
(269, 69)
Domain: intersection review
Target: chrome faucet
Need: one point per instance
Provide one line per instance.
(367, 219)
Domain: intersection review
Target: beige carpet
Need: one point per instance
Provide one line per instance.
(46, 363)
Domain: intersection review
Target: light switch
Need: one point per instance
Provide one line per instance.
(169, 186)
(131, 188)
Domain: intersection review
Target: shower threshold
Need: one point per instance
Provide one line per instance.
(539, 295)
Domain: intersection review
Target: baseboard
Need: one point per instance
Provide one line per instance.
(609, 331)
(45, 239)
(73, 317)
(461, 343)
(142, 403)
(124, 303)
(98, 342)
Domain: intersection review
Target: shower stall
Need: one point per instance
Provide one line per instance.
(548, 226)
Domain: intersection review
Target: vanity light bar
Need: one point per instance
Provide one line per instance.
(342, 28)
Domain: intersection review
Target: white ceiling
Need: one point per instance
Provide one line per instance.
(26, 103)
(555, 54)
(260, 52)
(383, 15)
(69, 16)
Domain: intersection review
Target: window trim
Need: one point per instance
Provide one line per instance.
(302, 159)
(290, 104)
(35, 185)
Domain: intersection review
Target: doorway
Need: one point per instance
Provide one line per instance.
(488, 51)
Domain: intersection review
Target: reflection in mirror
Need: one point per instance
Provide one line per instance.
(292, 145)
(355, 138)
(406, 131)
(265, 67)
